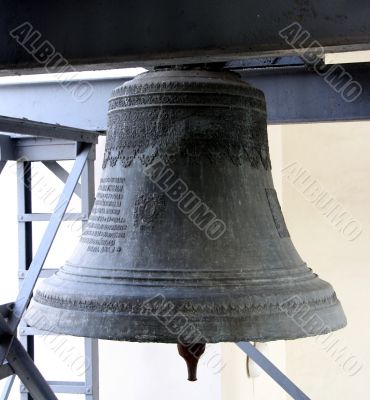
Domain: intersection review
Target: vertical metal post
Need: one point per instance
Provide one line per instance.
(87, 189)
(91, 345)
(24, 189)
(92, 369)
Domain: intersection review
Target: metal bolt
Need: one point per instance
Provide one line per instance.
(21, 274)
(88, 390)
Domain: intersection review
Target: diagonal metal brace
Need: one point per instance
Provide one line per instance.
(61, 173)
(24, 367)
(281, 379)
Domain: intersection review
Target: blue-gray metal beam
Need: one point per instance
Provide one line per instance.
(109, 34)
(294, 94)
(91, 345)
(264, 363)
(92, 369)
(50, 102)
(41, 149)
(298, 94)
(36, 128)
(25, 239)
(26, 148)
(68, 387)
(37, 217)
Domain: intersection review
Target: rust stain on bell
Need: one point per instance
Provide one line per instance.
(187, 213)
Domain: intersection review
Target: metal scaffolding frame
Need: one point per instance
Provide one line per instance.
(49, 143)
(16, 355)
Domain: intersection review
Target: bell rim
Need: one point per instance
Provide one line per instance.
(107, 326)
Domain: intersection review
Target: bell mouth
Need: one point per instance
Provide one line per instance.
(168, 315)
(142, 329)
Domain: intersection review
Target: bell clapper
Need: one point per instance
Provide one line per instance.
(191, 353)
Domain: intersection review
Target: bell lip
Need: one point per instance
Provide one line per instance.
(95, 325)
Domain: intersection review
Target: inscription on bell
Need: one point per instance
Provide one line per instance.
(105, 225)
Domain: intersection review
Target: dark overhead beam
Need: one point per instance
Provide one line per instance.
(109, 34)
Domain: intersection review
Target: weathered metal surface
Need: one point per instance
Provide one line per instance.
(110, 33)
(186, 241)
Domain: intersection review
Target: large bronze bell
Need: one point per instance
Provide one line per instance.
(186, 242)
